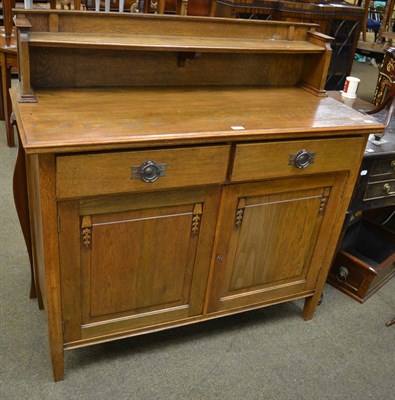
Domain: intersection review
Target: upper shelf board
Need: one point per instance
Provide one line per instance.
(170, 43)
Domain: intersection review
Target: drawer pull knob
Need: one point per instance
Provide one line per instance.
(218, 258)
(387, 188)
(148, 171)
(342, 274)
(302, 159)
(393, 165)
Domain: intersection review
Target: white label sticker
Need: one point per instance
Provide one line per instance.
(238, 128)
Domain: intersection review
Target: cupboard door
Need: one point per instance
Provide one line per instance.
(266, 251)
(142, 260)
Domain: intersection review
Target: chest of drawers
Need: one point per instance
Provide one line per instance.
(381, 181)
(366, 257)
(358, 275)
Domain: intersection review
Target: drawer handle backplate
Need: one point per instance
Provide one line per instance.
(342, 274)
(302, 159)
(387, 188)
(148, 171)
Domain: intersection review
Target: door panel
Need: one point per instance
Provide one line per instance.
(261, 238)
(133, 264)
(267, 240)
(137, 267)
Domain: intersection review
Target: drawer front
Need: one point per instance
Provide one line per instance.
(122, 172)
(384, 167)
(357, 278)
(380, 190)
(352, 274)
(292, 158)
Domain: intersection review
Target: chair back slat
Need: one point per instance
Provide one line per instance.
(28, 4)
(107, 5)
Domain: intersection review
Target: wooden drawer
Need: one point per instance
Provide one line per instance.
(270, 160)
(365, 262)
(357, 278)
(380, 190)
(384, 167)
(107, 173)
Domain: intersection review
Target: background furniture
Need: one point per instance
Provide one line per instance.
(8, 61)
(386, 77)
(386, 31)
(338, 19)
(8, 50)
(383, 22)
(187, 7)
(215, 192)
(366, 257)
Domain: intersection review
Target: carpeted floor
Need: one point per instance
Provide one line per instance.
(346, 352)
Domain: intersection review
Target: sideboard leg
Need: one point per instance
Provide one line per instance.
(46, 187)
(57, 358)
(310, 304)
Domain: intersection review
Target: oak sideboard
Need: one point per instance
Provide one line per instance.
(177, 169)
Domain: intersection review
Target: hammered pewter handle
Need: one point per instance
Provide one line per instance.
(342, 274)
(148, 171)
(302, 159)
(387, 188)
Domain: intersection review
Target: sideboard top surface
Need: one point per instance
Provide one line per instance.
(109, 118)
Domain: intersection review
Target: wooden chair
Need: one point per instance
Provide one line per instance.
(134, 6)
(201, 8)
(107, 5)
(384, 30)
(384, 96)
(181, 7)
(195, 7)
(8, 61)
(386, 77)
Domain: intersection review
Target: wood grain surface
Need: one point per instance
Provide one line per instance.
(86, 119)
